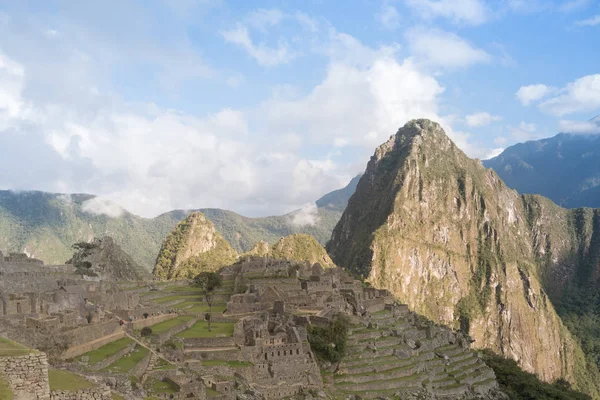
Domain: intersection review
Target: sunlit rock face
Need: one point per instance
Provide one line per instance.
(450, 239)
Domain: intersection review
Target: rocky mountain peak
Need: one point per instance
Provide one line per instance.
(192, 246)
(446, 236)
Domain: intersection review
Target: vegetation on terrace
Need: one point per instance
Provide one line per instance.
(100, 354)
(128, 361)
(64, 380)
(200, 330)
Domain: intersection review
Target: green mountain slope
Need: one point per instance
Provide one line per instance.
(564, 168)
(46, 225)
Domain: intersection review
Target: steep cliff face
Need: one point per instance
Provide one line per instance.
(192, 247)
(450, 239)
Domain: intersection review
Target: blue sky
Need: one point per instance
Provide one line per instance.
(263, 106)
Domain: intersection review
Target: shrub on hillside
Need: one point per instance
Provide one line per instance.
(147, 331)
(330, 343)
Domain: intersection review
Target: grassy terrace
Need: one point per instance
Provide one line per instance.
(5, 391)
(203, 308)
(200, 330)
(164, 326)
(8, 348)
(127, 362)
(166, 299)
(219, 363)
(156, 386)
(65, 380)
(95, 356)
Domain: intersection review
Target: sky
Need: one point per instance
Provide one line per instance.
(261, 107)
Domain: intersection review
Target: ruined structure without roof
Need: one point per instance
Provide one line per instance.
(258, 347)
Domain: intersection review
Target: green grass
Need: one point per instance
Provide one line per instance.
(64, 380)
(220, 363)
(200, 330)
(157, 386)
(164, 326)
(163, 365)
(10, 348)
(127, 362)
(211, 392)
(5, 391)
(117, 397)
(95, 356)
(167, 299)
(204, 309)
(185, 289)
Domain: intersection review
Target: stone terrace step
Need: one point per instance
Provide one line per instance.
(412, 381)
(464, 366)
(391, 373)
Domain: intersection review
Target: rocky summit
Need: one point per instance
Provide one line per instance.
(446, 236)
(192, 246)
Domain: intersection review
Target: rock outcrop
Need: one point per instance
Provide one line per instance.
(105, 259)
(301, 247)
(192, 246)
(448, 237)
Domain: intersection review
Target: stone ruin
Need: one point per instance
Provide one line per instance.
(391, 351)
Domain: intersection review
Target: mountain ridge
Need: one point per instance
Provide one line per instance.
(564, 168)
(46, 225)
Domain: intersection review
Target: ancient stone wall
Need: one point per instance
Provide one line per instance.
(209, 342)
(163, 337)
(97, 393)
(27, 376)
(94, 344)
(144, 322)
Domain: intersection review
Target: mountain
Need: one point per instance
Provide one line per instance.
(46, 225)
(103, 258)
(449, 238)
(193, 246)
(564, 168)
(300, 247)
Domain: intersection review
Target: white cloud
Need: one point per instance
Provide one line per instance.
(481, 119)
(262, 19)
(364, 105)
(593, 21)
(307, 215)
(102, 206)
(388, 17)
(263, 54)
(472, 12)
(444, 49)
(525, 131)
(581, 95)
(583, 127)
(493, 153)
(531, 93)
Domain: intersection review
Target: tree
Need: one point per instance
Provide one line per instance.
(208, 282)
(147, 331)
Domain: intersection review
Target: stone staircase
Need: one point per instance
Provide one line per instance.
(394, 357)
(151, 365)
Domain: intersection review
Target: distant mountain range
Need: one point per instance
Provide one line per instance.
(46, 225)
(564, 168)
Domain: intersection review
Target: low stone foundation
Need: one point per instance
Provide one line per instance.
(98, 393)
(27, 376)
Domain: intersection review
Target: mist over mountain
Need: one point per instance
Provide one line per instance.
(46, 225)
